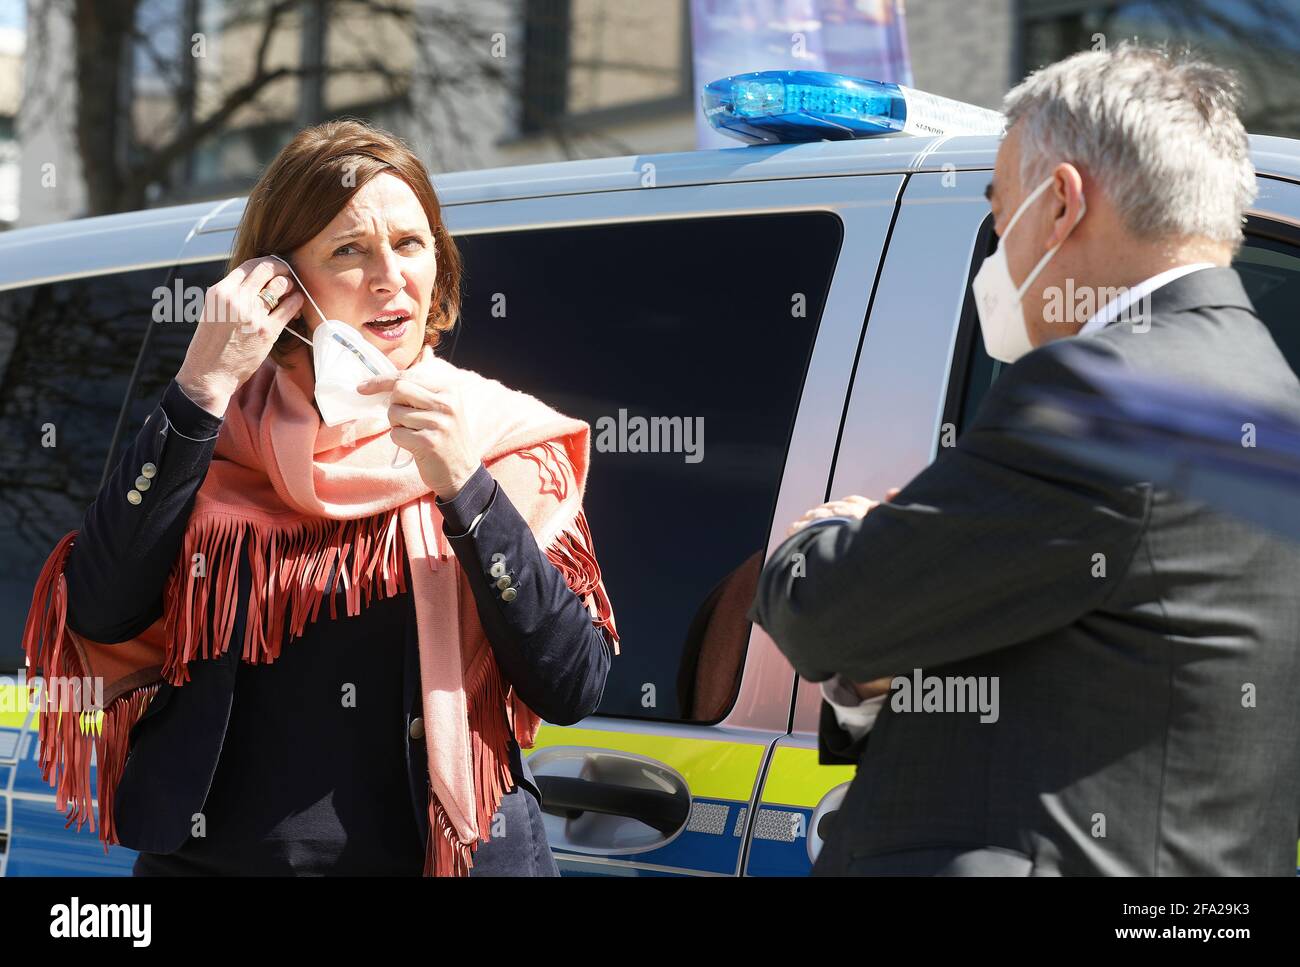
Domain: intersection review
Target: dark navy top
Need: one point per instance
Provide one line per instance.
(312, 777)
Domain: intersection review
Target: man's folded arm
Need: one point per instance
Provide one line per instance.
(996, 542)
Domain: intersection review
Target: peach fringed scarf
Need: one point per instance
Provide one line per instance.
(304, 497)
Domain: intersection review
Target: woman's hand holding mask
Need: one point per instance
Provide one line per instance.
(237, 331)
(428, 419)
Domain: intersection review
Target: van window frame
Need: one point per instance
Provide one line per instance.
(964, 355)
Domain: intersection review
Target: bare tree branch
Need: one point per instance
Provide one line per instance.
(437, 87)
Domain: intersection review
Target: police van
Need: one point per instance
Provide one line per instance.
(804, 304)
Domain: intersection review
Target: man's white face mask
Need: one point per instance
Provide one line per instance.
(342, 359)
(997, 297)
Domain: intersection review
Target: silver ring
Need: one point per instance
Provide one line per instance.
(271, 300)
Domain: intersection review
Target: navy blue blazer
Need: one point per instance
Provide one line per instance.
(544, 640)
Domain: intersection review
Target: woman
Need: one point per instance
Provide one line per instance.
(242, 729)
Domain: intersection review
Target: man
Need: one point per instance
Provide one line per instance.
(1132, 658)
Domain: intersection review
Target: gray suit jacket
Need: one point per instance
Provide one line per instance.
(1147, 716)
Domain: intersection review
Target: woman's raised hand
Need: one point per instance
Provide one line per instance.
(237, 331)
(428, 417)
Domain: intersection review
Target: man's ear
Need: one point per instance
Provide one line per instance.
(1067, 194)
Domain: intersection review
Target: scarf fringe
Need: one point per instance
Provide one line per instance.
(489, 730)
(290, 569)
(573, 552)
(68, 738)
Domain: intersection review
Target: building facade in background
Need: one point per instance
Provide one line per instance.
(482, 83)
(470, 83)
(13, 39)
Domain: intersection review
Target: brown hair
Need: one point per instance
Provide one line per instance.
(309, 183)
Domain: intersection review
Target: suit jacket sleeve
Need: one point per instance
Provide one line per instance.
(118, 565)
(544, 640)
(992, 545)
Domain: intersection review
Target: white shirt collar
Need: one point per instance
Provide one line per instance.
(1112, 309)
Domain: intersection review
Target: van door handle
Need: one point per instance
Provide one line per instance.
(571, 797)
(608, 802)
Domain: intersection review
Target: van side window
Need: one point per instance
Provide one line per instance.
(684, 344)
(1268, 263)
(973, 369)
(67, 351)
(177, 311)
(1270, 272)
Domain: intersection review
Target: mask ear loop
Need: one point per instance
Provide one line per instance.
(398, 452)
(304, 292)
(1029, 279)
(295, 332)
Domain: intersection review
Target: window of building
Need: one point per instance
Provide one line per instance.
(1260, 40)
(586, 61)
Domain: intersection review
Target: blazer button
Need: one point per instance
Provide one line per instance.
(148, 470)
(509, 594)
(133, 497)
(503, 581)
(416, 731)
(142, 483)
(497, 569)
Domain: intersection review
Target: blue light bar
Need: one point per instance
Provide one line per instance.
(783, 107)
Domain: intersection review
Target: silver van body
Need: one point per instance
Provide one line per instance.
(893, 361)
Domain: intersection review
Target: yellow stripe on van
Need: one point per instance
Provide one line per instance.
(714, 769)
(13, 706)
(797, 779)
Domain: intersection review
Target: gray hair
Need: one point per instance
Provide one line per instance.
(1158, 133)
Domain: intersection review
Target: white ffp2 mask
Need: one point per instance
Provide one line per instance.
(342, 359)
(998, 298)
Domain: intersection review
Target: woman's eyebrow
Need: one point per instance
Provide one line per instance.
(358, 232)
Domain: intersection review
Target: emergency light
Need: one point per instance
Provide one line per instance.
(785, 107)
